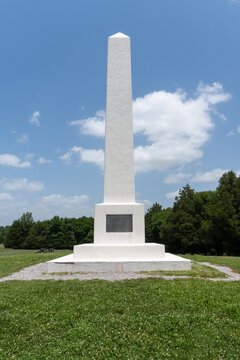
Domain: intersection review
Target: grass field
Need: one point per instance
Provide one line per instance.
(188, 319)
(231, 261)
(15, 260)
(140, 319)
(197, 270)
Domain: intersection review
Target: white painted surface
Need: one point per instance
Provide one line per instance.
(69, 264)
(150, 251)
(118, 162)
(137, 236)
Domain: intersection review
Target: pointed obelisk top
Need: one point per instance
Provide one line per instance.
(119, 35)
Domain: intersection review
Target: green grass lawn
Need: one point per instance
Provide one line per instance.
(231, 261)
(197, 270)
(9, 263)
(137, 319)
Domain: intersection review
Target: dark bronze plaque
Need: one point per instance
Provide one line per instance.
(119, 223)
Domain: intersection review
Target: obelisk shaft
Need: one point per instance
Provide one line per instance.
(119, 162)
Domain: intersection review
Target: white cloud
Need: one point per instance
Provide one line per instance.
(64, 206)
(85, 155)
(29, 156)
(175, 126)
(172, 195)
(21, 184)
(34, 119)
(238, 130)
(176, 178)
(5, 197)
(10, 208)
(209, 176)
(42, 160)
(231, 133)
(238, 173)
(23, 139)
(93, 125)
(13, 160)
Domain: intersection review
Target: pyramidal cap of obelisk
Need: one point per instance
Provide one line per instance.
(119, 233)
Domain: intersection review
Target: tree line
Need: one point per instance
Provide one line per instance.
(206, 222)
(57, 233)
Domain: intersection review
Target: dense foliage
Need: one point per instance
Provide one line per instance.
(205, 222)
(58, 233)
(3, 232)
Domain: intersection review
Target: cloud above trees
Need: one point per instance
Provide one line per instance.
(175, 127)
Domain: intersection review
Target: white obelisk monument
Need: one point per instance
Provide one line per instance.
(119, 232)
(119, 220)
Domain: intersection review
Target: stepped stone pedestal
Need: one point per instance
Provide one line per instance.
(119, 232)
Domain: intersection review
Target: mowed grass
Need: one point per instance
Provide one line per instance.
(12, 262)
(231, 261)
(137, 319)
(197, 270)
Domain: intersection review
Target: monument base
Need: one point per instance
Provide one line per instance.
(118, 258)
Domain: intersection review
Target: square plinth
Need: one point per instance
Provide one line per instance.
(123, 252)
(69, 264)
(121, 223)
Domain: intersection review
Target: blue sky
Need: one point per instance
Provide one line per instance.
(186, 99)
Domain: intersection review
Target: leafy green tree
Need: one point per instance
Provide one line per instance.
(83, 229)
(223, 227)
(37, 236)
(155, 219)
(151, 228)
(18, 231)
(3, 232)
(184, 227)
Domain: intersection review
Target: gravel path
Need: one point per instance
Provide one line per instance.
(232, 276)
(38, 272)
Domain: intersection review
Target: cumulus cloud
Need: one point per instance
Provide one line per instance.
(64, 206)
(85, 156)
(172, 195)
(176, 178)
(34, 119)
(42, 160)
(23, 139)
(13, 160)
(93, 125)
(10, 208)
(45, 207)
(175, 126)
(209, 176)
(21, 184)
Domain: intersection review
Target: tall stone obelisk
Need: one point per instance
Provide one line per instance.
(119, 163)
(119, 220)
(119, 241)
